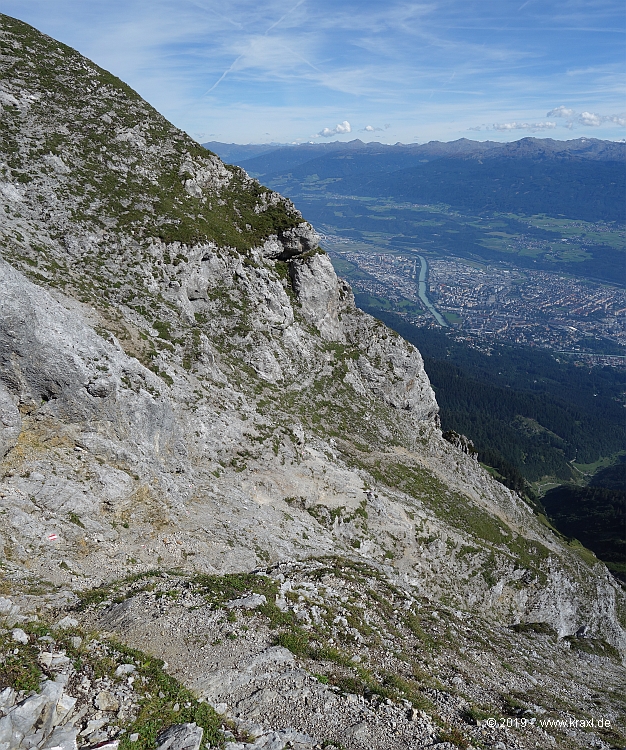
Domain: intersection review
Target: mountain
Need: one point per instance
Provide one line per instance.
(227, 509)
(511, 203)
(521, 407)
(582, 178)
(269, 159)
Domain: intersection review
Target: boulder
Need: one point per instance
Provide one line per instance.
(106, 701)
(180, 737)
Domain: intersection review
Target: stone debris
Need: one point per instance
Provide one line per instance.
(281, 740)
(9, 612)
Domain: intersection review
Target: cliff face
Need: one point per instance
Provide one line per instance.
(185, 383)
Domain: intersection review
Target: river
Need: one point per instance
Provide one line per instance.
(422, 289)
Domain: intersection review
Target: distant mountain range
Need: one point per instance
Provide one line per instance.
(581, 179)
(586, 148)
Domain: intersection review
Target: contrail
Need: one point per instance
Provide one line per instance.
(236, 24)
(224, 74)
(273, 26)
(299, 56)
(289, 12)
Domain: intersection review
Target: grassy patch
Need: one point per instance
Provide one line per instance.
(217, 590)
(536, 628)
(18, 665)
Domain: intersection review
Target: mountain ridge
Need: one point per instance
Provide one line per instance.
(592, 148)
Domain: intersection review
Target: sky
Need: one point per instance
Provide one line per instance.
(287, 71)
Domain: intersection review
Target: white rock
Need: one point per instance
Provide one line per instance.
(59, 166)
(10, 427)
(64, 708)
(7, 607)
(181, 737)
(247, 602)
(63, 738)
(66, 623)
(19, 636)
(124, 669)
(92, 726)
(24, 716)
(7, 698)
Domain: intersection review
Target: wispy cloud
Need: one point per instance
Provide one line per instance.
(507, 127)
(372, 129)
(532, 127)
(270, 28)
(432, 67)
(561, 112)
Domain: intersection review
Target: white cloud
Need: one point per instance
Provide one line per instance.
(617, 119)
(339, 129)
(532, 127)
(561, 112)
(590, 118)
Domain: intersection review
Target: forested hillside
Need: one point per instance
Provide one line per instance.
(575, 189)
(596, 515)
(525, 411)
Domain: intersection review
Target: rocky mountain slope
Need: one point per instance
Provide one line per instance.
(211, 455)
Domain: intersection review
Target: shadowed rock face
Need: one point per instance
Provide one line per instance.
(10, 422)
(202, 394)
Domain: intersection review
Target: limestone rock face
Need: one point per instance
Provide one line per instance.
(55, 364)
(320, 295)
(194, 411)
(291, 242)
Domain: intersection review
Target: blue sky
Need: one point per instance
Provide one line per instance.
(284, 71)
